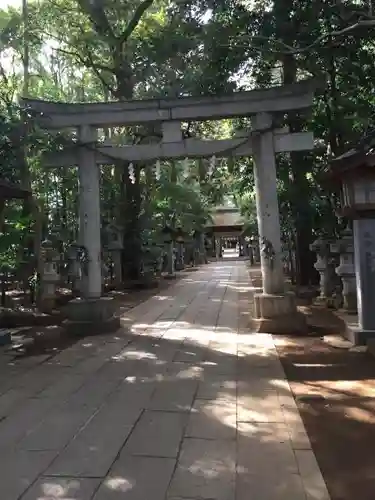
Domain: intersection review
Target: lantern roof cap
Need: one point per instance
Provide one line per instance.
(360, 156)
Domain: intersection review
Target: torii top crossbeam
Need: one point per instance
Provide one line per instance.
(170, 113)
(57, 115)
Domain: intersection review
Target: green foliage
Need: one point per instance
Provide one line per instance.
(15, 227)
(93, 51)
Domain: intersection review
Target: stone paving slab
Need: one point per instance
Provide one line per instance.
(206, 469)
(20, 469)
(56, 430)
(93, 393)
(11, 399)
(312, 479)
(215, 419)
(137, 478)
(261, 447)
(217, 387)
(182, 403)
(157, 434)
(94, 449)
(265, 407)
(22, 421)
(64, 387)
(51, 488)
(133, 392)
(174, 397)
(264, 485)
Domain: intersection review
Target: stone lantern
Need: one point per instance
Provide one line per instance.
(199, 249)
(245, 241)
(354, 177)
(218, 247)
(249, 250)
(255, 251)
(49, 276)
(180, 240)
(212, 243)
(325, 269)
(345, 248)
(168, 235)
(115, 247)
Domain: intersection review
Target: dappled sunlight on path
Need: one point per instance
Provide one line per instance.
(183, 402)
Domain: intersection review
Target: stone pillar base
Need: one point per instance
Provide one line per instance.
(357, 335)
(170, 276)
(321, 301)
(350, 312)
(333, 302)
(5, 337)
(278, 314)
(91, 316)
(47, 304)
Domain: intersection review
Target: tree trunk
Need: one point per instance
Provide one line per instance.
(300, 189)
(132, 240)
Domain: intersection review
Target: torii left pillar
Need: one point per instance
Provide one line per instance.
(90, 313)
(275, 309)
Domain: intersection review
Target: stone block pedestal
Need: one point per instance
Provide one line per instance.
(5, 337)
(278, 314)
(91, 316)
(47, 304)
(357, 335)
(321, 300)
(352, 331)
(170, 276)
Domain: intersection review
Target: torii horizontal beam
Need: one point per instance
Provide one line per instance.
(9, 191)
(228, 233)
(55, 115)
(192, 148)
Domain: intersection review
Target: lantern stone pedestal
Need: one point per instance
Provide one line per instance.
(5, 337)
(91, 316)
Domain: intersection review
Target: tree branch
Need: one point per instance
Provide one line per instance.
(98, 18)
(90, 64)
(133, 23)
(78, 56)
(362, 23)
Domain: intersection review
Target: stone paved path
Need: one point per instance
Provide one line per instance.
(186, 404)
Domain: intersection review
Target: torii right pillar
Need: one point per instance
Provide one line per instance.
(275, 309)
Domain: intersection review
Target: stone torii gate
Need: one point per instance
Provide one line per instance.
(275, 309)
